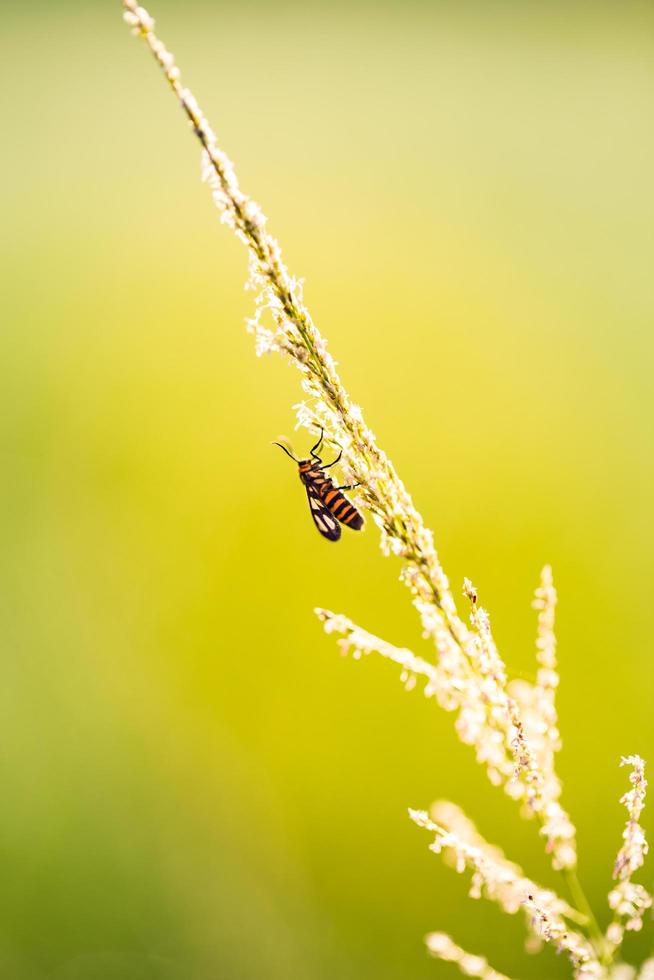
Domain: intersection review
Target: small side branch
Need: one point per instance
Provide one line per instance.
(442, 947)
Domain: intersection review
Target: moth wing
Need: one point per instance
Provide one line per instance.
(322, 518)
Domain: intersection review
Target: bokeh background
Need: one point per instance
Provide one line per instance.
(195, 786)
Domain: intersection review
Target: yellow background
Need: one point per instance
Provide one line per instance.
(195, 786)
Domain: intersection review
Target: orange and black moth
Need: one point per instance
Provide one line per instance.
(329, 506)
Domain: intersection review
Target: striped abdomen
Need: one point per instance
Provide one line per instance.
(338, 504)
(329, 506)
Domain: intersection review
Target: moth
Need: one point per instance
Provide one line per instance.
(329, 506)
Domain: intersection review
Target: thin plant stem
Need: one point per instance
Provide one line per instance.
(581, 903)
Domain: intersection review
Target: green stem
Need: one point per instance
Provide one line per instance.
(583, 905)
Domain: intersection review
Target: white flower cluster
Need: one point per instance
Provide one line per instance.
(277, 291)
(622, 971)
(138, 19)
(631, 855)
(552, 929)
(470, 678)
(359, 643)
(441, 946)
(629, 900)
(537, 701)
(537, 710)
(501, 881)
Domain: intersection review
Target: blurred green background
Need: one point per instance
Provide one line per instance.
(195, 786)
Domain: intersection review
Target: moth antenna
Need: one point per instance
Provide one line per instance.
(286, 451)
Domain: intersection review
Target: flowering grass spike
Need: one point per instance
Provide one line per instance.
(511, 724)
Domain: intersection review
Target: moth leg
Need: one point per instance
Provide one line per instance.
(352, 486)
(313, 451)
(335, 461)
